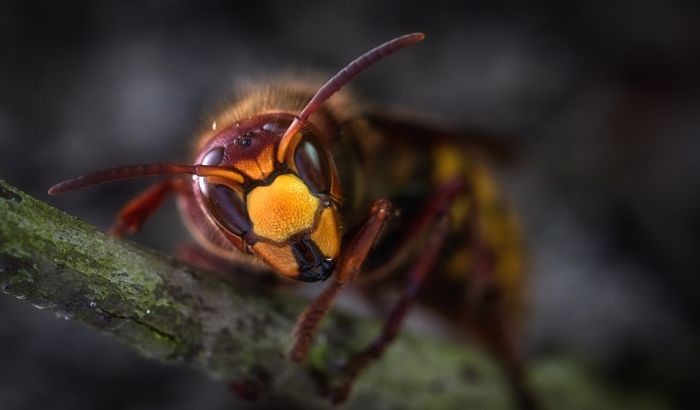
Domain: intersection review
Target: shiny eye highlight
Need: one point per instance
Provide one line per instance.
(312, 165)
(213, 157)
(229, 209)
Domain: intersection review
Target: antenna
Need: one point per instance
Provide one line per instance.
(343, 77)
(134, 171)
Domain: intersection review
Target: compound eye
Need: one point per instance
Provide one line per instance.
(213, 157)
(311, 163)
(229, 209)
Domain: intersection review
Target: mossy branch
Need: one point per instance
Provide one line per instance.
(224, 327)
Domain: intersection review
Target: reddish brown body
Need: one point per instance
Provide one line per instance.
(306, 186)
(475, 282)
(245, 140)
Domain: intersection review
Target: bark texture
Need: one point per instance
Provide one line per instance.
(231, 329)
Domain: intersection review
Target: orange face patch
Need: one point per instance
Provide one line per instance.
(327, 235)
(282, 209)
(260, 167)
(280, 257)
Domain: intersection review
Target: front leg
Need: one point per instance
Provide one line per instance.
(436, 221)
(416, 276)
(350, 263)
(353, 259)
(132, 216)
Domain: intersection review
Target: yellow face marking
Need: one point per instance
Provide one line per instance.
(281, 209)
(327, 236)
(266, 160)
(250, 168)
(280, 257)
(260, 167)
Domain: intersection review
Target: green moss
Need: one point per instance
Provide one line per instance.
(234, 330)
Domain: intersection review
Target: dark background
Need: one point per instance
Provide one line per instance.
(603, 101)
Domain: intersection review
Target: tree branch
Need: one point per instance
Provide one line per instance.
(224, 327)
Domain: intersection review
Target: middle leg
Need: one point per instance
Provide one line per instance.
(437, 221)
(393, 324)
(355, 256)
(132, 215)
(348, 269)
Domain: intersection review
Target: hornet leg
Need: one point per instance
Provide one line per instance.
(437, 215)
(348, 269)
(132, 216)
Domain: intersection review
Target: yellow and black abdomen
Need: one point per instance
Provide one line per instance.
(481, 267)
(486, 255)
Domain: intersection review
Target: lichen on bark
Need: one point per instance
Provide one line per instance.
(230, 328)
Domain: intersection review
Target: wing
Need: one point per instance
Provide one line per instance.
(423, 130)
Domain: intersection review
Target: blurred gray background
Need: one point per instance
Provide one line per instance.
(601, 100)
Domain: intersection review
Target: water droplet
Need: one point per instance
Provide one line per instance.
(93, 303)
(213, 125)
(148, 311)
